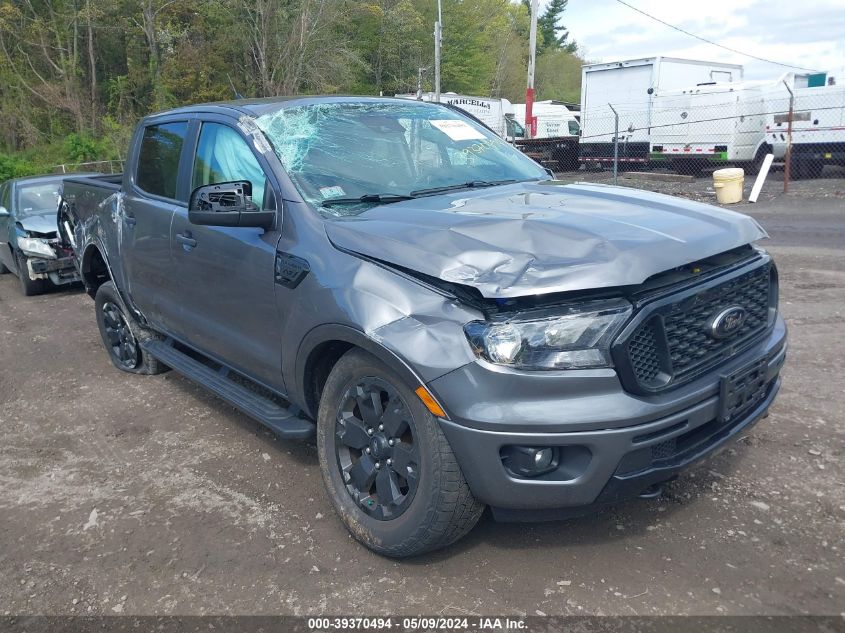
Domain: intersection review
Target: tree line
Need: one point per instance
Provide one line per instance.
(76, 75)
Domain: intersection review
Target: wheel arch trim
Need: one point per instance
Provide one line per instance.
(92, 246)
(332, 332)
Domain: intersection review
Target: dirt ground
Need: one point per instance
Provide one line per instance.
(123, 494)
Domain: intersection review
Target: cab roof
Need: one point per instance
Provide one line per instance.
(260, 106)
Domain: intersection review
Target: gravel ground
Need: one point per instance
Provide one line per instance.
(124, 494)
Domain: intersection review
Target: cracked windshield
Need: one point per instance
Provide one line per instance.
(346, 157)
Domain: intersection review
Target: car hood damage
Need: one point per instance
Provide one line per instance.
(537, 238)
(39, 225)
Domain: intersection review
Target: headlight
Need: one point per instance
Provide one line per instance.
(578, 337)
(35, 247)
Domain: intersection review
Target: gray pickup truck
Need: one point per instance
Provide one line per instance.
(453, 327)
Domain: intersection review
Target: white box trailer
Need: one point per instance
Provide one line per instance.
(714, 124)
(554, 119)
(497, 114)
(629, 86)
(818, 124)
(556, 143)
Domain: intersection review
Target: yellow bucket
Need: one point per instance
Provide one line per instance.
(728, 184)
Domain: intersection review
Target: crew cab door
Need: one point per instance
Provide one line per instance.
(225, 275)
(150, 199)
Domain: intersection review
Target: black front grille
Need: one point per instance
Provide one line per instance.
(664, 450)
(674, 342)
(687, 334)
(643, 353)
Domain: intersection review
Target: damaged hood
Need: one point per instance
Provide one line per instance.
(535, 238)
(41, 223)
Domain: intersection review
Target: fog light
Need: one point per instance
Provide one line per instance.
(543, 458)
(529, 461)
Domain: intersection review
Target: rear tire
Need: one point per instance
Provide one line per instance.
(122, 335)
(805, 168)
(416, 500)
(29, 287)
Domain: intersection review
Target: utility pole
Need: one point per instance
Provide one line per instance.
(438, 41)
(787, 167)
(530, 122)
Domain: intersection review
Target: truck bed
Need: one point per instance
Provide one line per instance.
(89, 202)
(111, 182)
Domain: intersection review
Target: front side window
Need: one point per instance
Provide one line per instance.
(224, 156)
(37, 199)
(158, 160)
(574, 128)
(348, 150)
(515, 129)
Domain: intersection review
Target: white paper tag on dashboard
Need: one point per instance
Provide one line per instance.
(332, 192)
(457, 130)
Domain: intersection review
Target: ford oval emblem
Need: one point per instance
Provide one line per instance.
(727, 322)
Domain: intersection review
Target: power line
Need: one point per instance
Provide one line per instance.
(703, 39)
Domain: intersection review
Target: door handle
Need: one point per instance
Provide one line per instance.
(186, 240)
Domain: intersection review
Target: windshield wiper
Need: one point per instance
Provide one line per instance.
(380, 198)
(472, 184)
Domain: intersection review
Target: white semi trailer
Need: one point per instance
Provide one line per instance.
(556, 143)
(629, 87)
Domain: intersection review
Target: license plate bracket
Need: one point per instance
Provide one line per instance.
(742, 389)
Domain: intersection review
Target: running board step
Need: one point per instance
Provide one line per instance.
(284, 421)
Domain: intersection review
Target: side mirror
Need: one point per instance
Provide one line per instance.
(227, 204)
(4, 212)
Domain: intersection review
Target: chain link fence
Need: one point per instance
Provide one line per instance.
(100, 166)
(697, 130)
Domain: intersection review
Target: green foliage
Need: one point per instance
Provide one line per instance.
(81, 148)
(558, 76)
(554, 35)
(15, 167)
(78, 74)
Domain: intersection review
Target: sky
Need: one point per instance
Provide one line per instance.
(810, 34)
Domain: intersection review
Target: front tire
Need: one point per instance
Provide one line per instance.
(29, 287)
(388, 469)
(122, 335)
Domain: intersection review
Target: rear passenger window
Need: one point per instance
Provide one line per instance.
(158, 160)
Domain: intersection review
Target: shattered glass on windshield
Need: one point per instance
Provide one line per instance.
(359, 154)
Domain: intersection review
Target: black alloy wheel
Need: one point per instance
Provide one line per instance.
(377, 450)
(119, 338)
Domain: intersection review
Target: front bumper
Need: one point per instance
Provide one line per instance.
(59, 271)
(600, 462)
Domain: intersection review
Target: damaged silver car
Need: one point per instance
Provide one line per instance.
(454, 328)
(29, 244)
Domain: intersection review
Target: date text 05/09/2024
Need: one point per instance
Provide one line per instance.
(416, 624)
